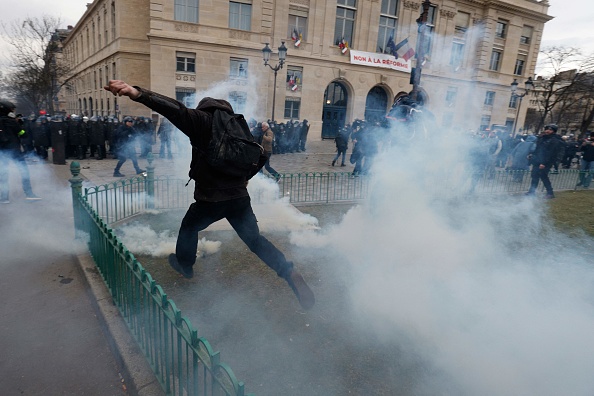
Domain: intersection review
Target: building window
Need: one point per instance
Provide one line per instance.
(106, 74)
(451, 96)
(292, 107)
(113, 69)
(240, 16)
(495, 60)
(297, 24)
(457, 54)
(345, 21)
(489, 98)
(100, 79)
(513, 102)
(95, 78)
(93, 34)
(238, 100)
(294, 77)
(388, 23)
(113, 21)
(238, 68)
(462, 22)
(185, 62)
(187, 96)
(501, 29)
(105, 25)
(186, 11)
(430, 27)
(519, 68)
(526, 36)
(485, 122)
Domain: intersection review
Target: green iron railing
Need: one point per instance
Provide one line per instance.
(183, 363)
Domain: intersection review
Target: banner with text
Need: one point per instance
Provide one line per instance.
(380, 60)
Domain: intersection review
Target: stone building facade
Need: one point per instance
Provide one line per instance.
(191, 48)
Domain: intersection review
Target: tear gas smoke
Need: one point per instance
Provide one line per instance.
(483, 289)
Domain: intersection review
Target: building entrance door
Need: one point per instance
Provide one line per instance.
(334, 111)
(376, 105)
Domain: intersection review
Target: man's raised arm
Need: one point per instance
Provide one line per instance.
(120, 88)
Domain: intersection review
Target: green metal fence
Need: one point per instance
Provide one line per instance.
(183, 363)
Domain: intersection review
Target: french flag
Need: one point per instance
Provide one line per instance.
(404, 50)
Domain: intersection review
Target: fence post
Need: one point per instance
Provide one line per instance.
(150, 181)
(76, 188)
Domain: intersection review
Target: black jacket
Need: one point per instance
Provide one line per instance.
(9, 137)
(211, 184)
(547, 150)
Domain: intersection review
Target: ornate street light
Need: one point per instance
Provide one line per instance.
(529, 86)
(282, 55)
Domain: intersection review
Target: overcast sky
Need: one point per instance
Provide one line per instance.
(572, 25)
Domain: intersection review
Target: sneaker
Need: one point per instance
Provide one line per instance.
(549, 196)
(301, 289)
(139, 171)
(118, 174)
(32, 197)
(186, 272)
(4, 201)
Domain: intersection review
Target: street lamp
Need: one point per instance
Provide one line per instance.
(282, 55)
(420, 54)
(514, 92)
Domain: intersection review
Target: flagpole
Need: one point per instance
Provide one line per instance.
(420, 53)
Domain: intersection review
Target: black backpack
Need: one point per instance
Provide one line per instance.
(232, 149)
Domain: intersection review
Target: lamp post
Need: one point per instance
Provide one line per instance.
(420, 53)
(514, 92)
(282, 55)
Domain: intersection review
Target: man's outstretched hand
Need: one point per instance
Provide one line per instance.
(120, 88)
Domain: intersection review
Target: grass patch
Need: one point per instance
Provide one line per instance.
(572, 211)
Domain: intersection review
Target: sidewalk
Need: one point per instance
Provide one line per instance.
(59, 331)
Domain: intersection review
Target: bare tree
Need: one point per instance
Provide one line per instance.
(35, 73)
(566, 75)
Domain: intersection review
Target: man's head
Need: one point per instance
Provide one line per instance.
(550, 129)
(265, 126)
(128, 121)
(212, 104)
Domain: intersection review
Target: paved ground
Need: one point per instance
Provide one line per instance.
(60, 334)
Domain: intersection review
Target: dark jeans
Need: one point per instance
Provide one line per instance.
(537, 175)
(124, 155)
(338, 154)
(270, 169)
(240, 215)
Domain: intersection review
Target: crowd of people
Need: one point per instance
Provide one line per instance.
(543, 154)
(84, 137)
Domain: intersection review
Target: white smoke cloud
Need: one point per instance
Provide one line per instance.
(483, 289)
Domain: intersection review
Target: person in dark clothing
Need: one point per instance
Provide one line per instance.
(342, 144)
(126, 147)
(217, 195)
(520, 154)
(586, 163)
(544, 157)
(165, 133)
(10, 150)
(304, 130)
